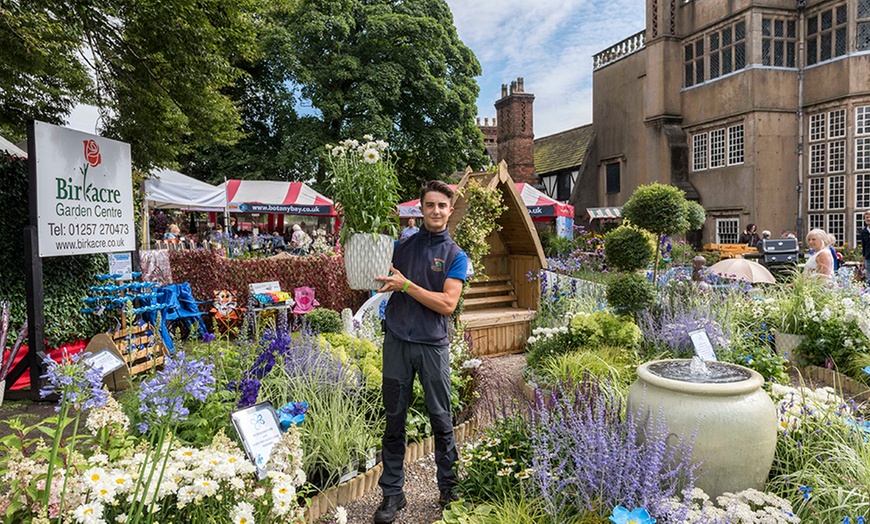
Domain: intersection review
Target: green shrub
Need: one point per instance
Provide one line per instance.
(696, 215)
(627, 249)
(546, 343)
(555, 245)
(630, 293)
(659, 208)
(322, 320)
(603, 328)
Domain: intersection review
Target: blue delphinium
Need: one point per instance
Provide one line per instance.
(74, 381)
(162, 398)
(587, 456)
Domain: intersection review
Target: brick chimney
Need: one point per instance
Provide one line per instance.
(490, 135)
(516, 137)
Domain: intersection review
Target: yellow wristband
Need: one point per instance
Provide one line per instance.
(407, 283)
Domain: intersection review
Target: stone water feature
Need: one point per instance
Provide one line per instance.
(736, 420)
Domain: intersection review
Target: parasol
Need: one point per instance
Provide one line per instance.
(742, 269)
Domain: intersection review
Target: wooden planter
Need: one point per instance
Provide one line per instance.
(845, 385)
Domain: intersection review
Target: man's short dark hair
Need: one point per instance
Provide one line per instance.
(435, 185)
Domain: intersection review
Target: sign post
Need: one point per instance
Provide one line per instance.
(81, 202)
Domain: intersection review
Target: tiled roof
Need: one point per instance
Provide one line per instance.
(562, 150)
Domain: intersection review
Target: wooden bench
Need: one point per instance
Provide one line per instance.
(730, 250)
(490, 314)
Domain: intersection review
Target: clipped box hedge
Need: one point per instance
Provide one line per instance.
(207, 272)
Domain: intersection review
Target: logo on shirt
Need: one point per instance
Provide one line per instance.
(438, 265)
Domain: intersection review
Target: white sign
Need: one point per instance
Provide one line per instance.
(84, 192)
(121, 264)
(104, 361)
(259, 429)
(703, 346)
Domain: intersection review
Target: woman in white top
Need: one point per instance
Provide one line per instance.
(821, 262)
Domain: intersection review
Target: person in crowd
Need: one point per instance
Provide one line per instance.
(232, 232)
(749, 236)
(172, 233)
(765, 235)
(411, 229)
(821, 261)
(427, 273)
(865, 246)
(300, 240)
(278, 243)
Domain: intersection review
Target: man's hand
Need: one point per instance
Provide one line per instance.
(394, 282)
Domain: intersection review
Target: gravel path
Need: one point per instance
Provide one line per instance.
(498, 379)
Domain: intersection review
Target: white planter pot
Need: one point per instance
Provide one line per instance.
(2, 391)
(736, 424)
(787, 344)
(367, 256)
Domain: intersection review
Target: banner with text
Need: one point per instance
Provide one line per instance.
(84, 190)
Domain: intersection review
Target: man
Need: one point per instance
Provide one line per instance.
(865, 246)
(412, 228)
(428, 271)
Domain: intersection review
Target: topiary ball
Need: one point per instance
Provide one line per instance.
(659, 208)
(627, 249)
(630, 293)
(322, 320)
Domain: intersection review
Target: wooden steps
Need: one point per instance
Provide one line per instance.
(491, 315)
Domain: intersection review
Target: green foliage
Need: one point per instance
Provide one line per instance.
(160, 68)
(627, 249)
(659, 208)
(546, 343)
(367, 357)
(696, 215)
(394, 69)
(484, 207)
(612, 364)
(555, 245)
(601, 327)
(481, 479)
(65, 279)
(362, 178)
(322, 320)
(755, 353)
(630, 293)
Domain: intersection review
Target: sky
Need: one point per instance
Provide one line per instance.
(550, 43)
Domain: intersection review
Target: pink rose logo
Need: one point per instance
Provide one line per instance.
(92, 153)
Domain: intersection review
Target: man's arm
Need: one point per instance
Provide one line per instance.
(443, 302)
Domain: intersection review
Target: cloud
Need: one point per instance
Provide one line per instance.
(550, 44)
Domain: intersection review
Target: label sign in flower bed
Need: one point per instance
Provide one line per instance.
(206, 272)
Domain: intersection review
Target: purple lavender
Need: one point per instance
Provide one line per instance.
(670, 326)
(161, 399)
(74, 381)
(587, 457)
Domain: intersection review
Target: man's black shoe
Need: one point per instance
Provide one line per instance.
(446, 497)
(391, 505)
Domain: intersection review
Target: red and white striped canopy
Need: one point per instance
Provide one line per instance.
(539, 205)
(289, 198)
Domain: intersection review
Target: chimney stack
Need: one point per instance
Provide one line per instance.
(516, 137)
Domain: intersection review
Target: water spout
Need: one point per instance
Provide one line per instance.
(698, 368)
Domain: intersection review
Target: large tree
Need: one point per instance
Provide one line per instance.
(391, 69)
(395, 70)
(155, 68)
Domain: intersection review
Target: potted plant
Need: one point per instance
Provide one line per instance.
(362, 179)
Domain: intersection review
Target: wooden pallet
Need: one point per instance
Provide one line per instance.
(144, 359)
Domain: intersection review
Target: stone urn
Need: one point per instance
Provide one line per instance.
(735, 419)
(367, 256)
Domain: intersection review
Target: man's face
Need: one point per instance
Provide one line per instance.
(411, 222)
(436, 211)
(867, 219)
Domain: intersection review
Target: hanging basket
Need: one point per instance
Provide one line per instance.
(367, 256)
(787, 343)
